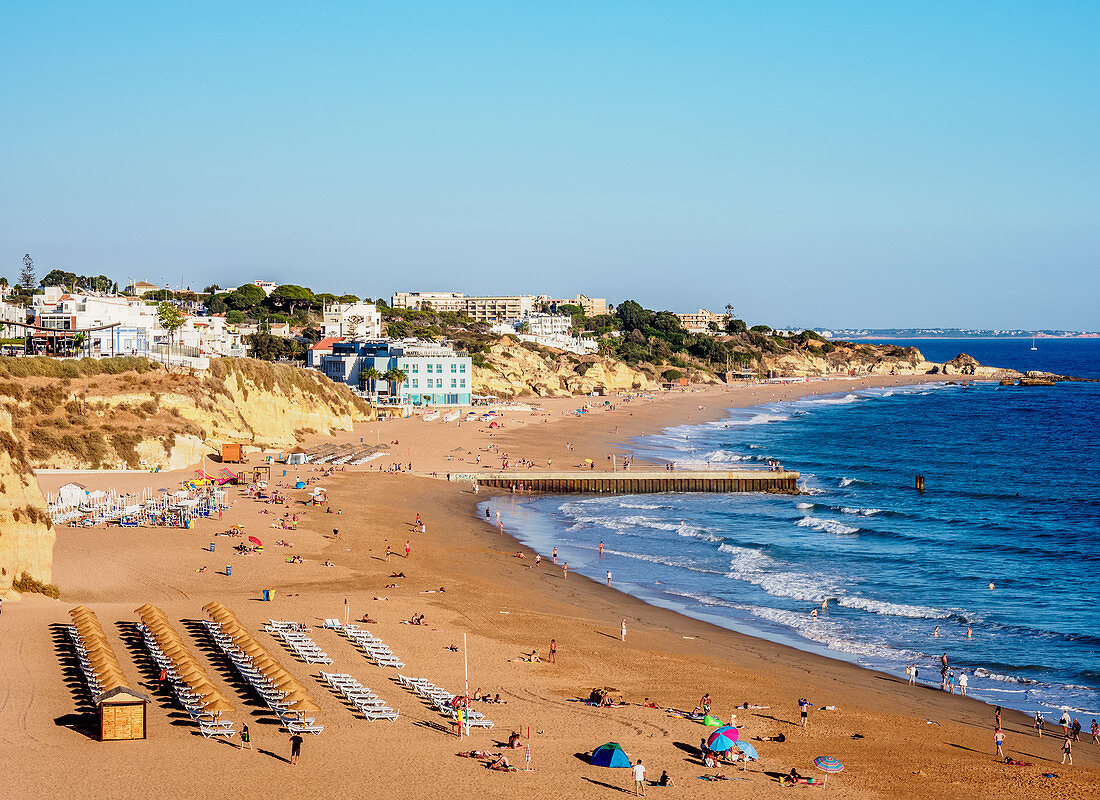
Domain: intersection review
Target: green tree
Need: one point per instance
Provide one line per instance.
(349, 298)
(214, 288)
(80, 339)
(395, 377)
(371, 375)
(245, 297)
(26, 275)
(633, 316)
(171, 318)
(761, 329)
(290, 296)
(737, 326)
(235, 317)
(58, 277)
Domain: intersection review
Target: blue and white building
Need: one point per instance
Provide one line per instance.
(435, 374)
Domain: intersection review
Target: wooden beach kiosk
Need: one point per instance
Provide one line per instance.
(122, 714)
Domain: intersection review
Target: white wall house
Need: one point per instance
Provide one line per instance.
(435, 374)
(357, 320)
(57, 309)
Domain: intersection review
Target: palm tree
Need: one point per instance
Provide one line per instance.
(395, 377)
(79, 340)
(369, 374)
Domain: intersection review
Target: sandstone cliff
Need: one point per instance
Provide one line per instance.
(26, 535)
(141, 416)
(514, 370)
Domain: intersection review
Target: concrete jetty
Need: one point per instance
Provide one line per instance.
(640, 482)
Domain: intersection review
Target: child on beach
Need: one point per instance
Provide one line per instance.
(804, 707)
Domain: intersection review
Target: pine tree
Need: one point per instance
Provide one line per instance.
(26, 277)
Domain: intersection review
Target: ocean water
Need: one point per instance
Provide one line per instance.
(1012, 498)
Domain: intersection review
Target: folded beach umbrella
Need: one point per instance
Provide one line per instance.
(305, 706)
(609, 755)
(747, 749)
(218, 706)
(722, 739)
(712, 721)
(828, 764)
(213, 605)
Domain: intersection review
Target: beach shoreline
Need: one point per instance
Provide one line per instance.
(506, 608)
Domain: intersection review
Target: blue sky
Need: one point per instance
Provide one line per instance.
(818, 163)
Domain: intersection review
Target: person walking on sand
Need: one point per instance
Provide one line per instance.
(1067, 751)
(997, 716)
(804, 707)
(1039, 723)
(609, 578)
(555, 555)
(552, 658)
(408, 548)
(295, 748)
(963, 680)
(1095, 731)
(639, 778)
(622, 631)
(388, 552)
(246, 738)
(538, 559)
(565, 571)
(1064, 722)
(999, 740)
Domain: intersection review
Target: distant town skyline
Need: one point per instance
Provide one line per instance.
(826, 164)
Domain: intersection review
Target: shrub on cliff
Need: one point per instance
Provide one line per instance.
(25, 583)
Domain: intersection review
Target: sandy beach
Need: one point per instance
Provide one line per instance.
(895, 741)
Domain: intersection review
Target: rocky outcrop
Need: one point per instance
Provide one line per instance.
(514, 370)
(26, 534)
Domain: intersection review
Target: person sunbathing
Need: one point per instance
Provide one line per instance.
(479, 754)
(748, 705)
(366, 618)
(502, 764)
(779, 737)
(513, 741)
(647, 704)
(1014, 763)
(397, 575)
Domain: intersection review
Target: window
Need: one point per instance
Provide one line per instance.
(462, 383)
(414, 367)
(414, 383)
(454, 367)
(462, 367)
(454, 383)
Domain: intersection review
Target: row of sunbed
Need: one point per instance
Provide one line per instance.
(293, 635)
(370, 705)
(444, 702)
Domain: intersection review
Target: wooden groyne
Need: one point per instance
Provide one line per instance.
(591, 482)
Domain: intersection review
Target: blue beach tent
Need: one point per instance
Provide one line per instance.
(609, 755)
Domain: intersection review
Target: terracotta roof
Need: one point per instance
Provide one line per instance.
(327, 343)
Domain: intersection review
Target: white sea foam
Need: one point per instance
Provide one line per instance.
(642, 506)
(863, 512)
(982, 672)
(844, 482)
(804, 506)
(892, 609)
(827, 526)
(721, 455)
(698, 533)
(679, 563)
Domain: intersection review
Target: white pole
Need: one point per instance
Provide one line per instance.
(345, 612)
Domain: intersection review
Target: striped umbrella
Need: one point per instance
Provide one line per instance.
(722, 739)
(828, 764)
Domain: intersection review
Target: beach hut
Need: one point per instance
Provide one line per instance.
(232, 452)
(297, 456)
(122, 714)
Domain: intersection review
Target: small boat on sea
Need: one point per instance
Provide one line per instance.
(431, 416)
(1033, 347)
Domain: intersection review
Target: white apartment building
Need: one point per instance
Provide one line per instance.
(546, 324)
(267, 286)
(10, 313)
(592, 306)
(208, 336)
(357, 320)
(142, 288)
(132, 319)
(486, 308)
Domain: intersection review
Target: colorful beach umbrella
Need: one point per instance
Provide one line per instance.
(722, 739)
(747, 749)
(828, 764)
(255, 541)
(609, 755)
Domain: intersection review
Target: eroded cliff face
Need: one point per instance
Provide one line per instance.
(26, 535)
(516, 371)
(154, 418)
